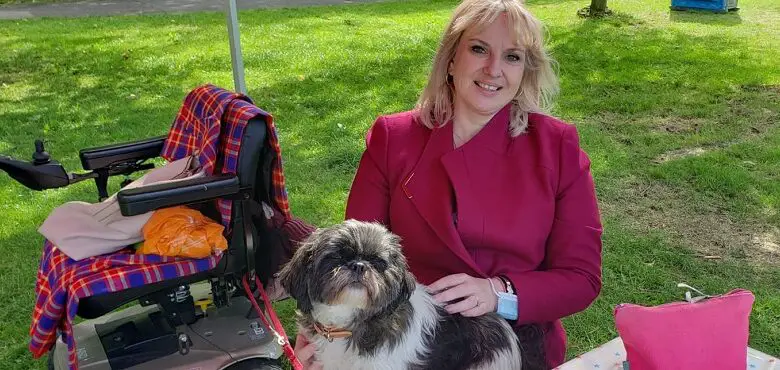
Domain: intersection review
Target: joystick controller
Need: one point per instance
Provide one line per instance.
(40, 156)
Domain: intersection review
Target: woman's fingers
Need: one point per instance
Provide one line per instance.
(476, 311)
(304, 351)
(306, 354)
(471, 302)
(466, 291)
(300, 342)
(447, 282)
(457, 292)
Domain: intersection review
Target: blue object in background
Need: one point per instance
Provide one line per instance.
(722, 6)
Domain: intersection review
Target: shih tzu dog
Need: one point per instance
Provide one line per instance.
(362, 307)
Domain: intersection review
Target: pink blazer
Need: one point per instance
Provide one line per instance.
(526, 208)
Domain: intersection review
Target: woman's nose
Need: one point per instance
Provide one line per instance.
(493, 66)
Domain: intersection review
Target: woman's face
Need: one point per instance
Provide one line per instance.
(487, 69)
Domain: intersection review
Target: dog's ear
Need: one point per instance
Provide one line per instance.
(294, 276)
(408, 282)
(408, 285)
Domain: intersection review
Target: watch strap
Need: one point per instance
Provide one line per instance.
(508, 284)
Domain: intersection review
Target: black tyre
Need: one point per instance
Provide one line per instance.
(256, 364)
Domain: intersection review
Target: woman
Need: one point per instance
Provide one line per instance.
(484, 188)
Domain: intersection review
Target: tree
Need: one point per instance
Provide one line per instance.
(597, 8)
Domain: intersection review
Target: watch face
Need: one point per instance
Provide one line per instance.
(507, 306)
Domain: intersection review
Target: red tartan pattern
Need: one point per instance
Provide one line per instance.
(62, 282)
(195, 126)
(210, 121)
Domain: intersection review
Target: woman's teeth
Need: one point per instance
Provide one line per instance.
(487, 87)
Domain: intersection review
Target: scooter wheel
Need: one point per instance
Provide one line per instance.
(256, 364)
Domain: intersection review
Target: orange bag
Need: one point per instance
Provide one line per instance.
(182, 232)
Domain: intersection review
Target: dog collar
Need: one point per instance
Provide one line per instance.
(331, 333)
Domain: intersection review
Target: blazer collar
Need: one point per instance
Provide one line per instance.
(429, 185)
(494, 136)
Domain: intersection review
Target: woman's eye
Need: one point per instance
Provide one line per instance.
(478, 49)
(513, 58)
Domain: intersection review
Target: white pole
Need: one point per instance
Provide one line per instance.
(235, 47)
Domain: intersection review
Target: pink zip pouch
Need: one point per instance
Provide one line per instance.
(703, 332)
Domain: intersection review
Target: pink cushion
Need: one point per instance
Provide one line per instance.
(710, 334)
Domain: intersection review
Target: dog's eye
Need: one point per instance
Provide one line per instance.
(378, 263)
(331, 257)
(346, 254)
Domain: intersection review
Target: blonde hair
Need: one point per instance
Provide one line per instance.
(539, 82)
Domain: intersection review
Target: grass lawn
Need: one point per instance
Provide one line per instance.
(678, 111)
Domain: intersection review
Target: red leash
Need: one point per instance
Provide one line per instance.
(277, 327)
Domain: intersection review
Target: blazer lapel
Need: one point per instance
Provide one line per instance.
(441, 174)
(473, 170)
(429, 189)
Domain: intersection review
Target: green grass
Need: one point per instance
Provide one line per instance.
(678, 112)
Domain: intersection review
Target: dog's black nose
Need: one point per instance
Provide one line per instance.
(358, 266)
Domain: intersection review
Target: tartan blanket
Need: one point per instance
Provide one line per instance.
(62, 282)
(211, 123)
(198, 128)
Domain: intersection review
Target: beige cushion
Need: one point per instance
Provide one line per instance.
(81, 229)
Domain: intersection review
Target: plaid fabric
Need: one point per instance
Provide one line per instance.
(62, 282)
(211, 121)
(197, 130)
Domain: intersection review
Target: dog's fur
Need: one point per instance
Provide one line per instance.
(354, 276)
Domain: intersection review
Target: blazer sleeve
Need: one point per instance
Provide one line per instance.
(369, 196)
(570, 279)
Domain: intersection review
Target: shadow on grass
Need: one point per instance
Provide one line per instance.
(617, 70)
(731, 18)
(619, 64)
(639, 92)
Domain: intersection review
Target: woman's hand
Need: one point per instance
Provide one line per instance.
(304, 351)
(473, 296)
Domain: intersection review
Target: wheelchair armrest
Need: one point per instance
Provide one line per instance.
(148, 198)
(104, 156)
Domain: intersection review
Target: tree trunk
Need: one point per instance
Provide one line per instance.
(598, 6)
